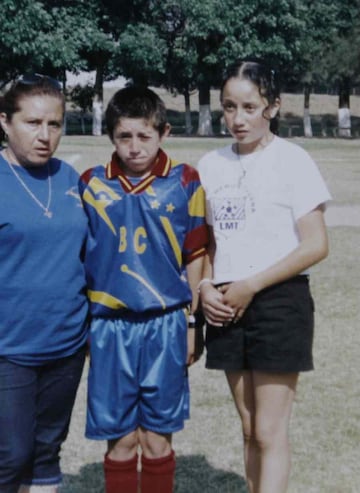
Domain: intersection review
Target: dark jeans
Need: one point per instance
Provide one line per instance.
(35, 409)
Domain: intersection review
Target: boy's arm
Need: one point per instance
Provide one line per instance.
(193, 253)
(194, 273)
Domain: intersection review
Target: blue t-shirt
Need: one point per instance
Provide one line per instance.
(43, 305)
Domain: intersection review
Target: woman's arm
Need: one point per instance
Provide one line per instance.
(215, 311)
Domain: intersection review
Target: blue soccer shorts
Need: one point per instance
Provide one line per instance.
(138, 375)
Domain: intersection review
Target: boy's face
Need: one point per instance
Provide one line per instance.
(137, 143)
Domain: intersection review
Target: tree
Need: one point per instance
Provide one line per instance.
(316, 39)
(204, 32)
(84, 41)
(43, 36)
(112, 48)
(82, 97)
(52, 36)
(343, 62)
(327, 59)
(98, 49)
(184, 45)
(149, 51)
(141, 54)
(262, 28)
(81, 39)
(23, 36)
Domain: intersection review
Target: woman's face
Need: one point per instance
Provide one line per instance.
(247, 114)
(34, 132)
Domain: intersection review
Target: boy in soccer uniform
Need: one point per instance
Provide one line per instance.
(147, 239)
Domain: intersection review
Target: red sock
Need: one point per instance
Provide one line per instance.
(157, 475)
(121, 476)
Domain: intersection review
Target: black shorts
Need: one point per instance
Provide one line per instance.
(275, 334)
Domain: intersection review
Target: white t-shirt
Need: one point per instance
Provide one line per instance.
(253, 203)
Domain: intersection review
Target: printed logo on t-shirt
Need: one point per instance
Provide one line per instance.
(229, 214)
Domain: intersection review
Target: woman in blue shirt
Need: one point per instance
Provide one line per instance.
(43, 306)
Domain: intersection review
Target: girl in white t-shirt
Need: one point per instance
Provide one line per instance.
(265, 207)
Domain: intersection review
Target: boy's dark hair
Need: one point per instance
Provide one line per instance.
(136, 102)
(261, 75)
(28, 85)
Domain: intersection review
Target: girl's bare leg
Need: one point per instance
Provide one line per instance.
(264, 402)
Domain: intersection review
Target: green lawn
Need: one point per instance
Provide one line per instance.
(326, 422)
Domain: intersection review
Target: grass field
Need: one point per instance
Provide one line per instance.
(326, 421)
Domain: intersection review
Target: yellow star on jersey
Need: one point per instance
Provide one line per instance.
(155, 204)
(170, 207)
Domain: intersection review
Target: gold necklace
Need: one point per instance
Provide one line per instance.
(46, 208)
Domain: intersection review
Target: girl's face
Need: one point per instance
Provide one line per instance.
(34, 132)
(247, 114)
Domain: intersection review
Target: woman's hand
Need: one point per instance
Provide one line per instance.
(216, 312)
(237, 295)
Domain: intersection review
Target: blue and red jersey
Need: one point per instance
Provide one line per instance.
(143, 232)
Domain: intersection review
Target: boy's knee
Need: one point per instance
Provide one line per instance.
(124, 448)
(155, 445)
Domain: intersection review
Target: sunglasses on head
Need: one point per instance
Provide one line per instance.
(33, 79)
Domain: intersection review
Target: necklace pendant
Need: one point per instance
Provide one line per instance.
(48, 214)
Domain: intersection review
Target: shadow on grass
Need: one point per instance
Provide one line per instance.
(193, 474)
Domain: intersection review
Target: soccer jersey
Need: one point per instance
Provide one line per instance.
(43, 305)
(143, 232)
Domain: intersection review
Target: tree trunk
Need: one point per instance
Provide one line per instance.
(64, 129)
(82, 119)
(205, 121)
(307, 118)
(188, 126)
(344, 115)
(97, 105)
(223, 127)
